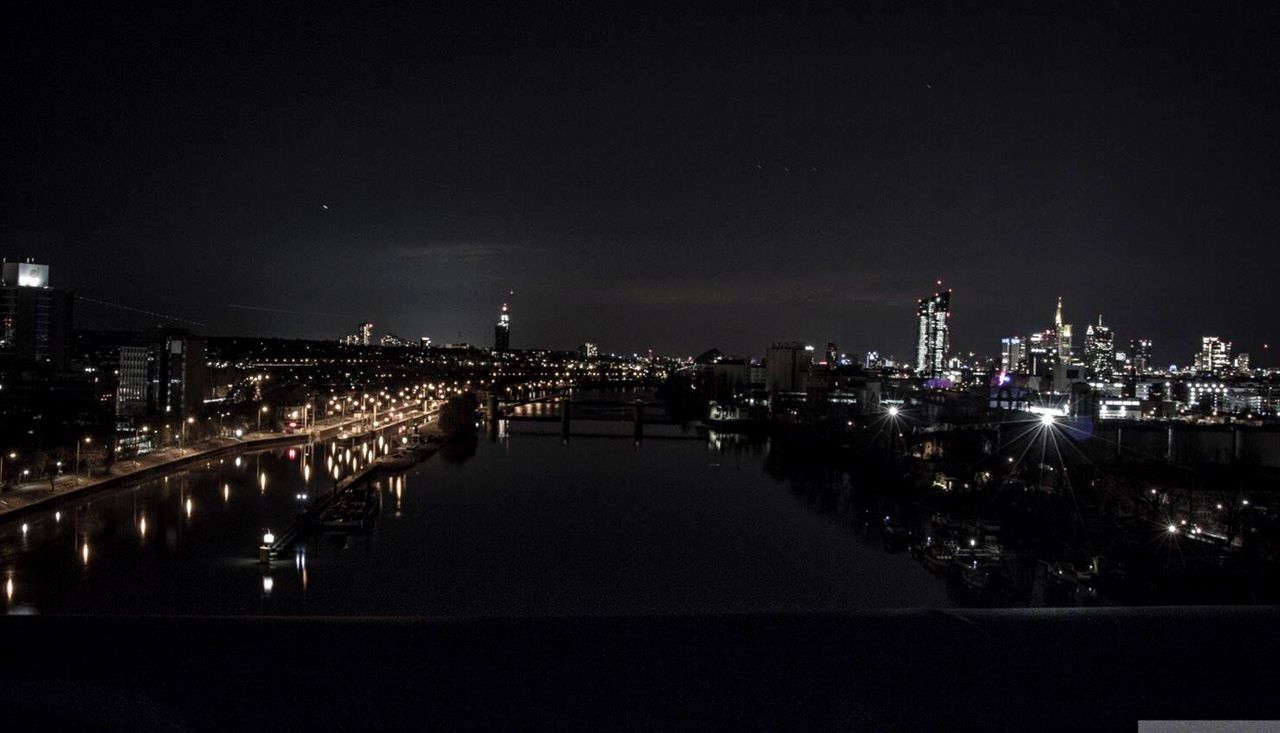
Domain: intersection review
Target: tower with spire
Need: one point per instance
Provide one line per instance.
(502, 331)
(1062, 335)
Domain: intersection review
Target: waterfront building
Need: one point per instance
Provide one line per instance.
(786, 364)
(502, 331)
(933, 337)
(161, 373)
(35, 319)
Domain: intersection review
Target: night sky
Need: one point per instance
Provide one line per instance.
(652, 177)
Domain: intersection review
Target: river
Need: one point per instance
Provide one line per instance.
(525, 525)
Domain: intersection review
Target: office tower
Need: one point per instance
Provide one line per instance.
(1214, 357)
(162, 373)
(35, 319)
(502, 331)
(872, 360)
(589, 350)
(366, 334)
(1140, 356)
(425, 342)
(833, 355)
(1099, 351)
(1241, 363)
(1062, 335)
(1011, 354)
(787, 363)
(933, 338)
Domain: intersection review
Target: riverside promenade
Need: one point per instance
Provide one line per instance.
(34, 496)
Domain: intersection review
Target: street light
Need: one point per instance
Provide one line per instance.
(12, 456)
(182, 438)
(260, 413)
(87, 440)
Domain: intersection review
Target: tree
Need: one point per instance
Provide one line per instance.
(459, 415)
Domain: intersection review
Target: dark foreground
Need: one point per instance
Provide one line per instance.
(897, 670)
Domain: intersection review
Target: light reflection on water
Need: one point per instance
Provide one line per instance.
(529, 525)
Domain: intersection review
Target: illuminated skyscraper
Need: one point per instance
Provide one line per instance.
(1062, 335)
(1099, 351)
(1214, 357)
(502, 331)
(933, 338)
(1140, 356)
(35, 319)
(1011, 354)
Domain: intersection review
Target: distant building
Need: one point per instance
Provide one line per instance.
(1241, 363)
(362, 337)
(833, 355)
(871, 360)
(933, 337)
(393, 340)
(786, 364)
(1140, 356)
(161, 373)
(1099, 351)
(1062, 336)
(35, 319)
(589, 350)
(502, 331)
(1040, 357)
(1214, 357)
(425, 342)
(1011, 349)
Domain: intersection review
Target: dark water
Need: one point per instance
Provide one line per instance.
(526, 526)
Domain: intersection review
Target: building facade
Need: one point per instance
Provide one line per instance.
(35, 319)
(933, 336)
(502, 331)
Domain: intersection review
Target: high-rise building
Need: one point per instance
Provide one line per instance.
(872, 360)
(1214, 357)
(787, 364)
(35, 319)
(933, 337)
(1040, 354)
(1241, 363)
(163, 373)
(589, 350)
(1140, 356)
(1062, 335)
(502, 331)
(1099, 351)
(1011, 354)
(362, 337)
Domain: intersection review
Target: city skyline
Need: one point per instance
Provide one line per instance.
(699, 180)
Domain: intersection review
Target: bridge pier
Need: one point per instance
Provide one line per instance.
(564, 420)
(494, 416)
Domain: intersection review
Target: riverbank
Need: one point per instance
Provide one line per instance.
(37, 496)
